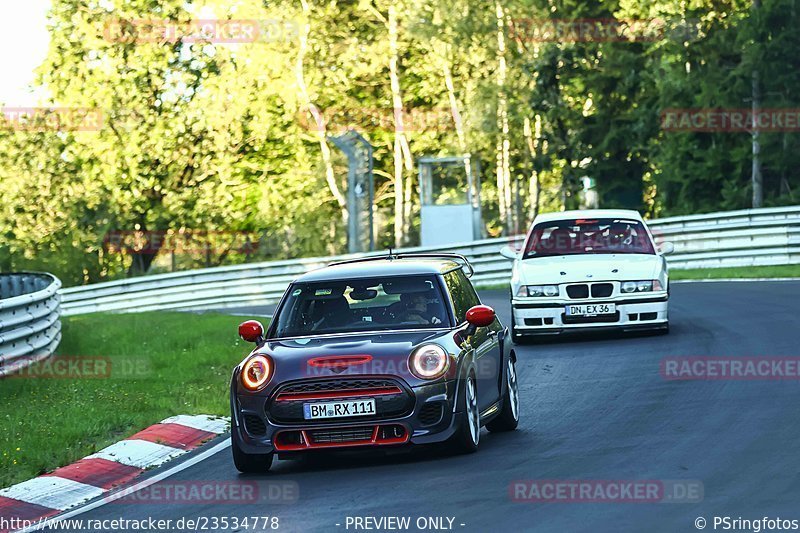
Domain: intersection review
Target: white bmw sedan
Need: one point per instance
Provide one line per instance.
(588, 269)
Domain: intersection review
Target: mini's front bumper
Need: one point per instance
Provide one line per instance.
(415, 427)
(537, 316)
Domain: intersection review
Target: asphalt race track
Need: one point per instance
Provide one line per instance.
(592, 408)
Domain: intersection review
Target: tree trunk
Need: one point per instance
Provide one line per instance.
(756, 177)
(319, 121)
(532, 140)
(402, 152)
(503, 171)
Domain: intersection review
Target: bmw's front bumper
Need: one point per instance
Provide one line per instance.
(256, 432)
(545, 316)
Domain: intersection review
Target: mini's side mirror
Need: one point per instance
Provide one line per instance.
(479, 316)
(508, 252)
(666, 248)
(251, 331)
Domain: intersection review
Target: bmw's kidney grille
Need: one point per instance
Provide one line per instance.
(597, 290)
(578, 291)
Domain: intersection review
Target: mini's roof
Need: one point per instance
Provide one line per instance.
(588, 213)
(381, 267)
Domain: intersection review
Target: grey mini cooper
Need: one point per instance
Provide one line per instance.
(383, 351)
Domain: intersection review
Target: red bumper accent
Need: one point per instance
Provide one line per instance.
(285, 440)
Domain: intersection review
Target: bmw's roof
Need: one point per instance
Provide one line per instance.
(588, 213)
(381, 267)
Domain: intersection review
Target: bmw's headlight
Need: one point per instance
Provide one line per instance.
(429, 361)
(647, 285)
(256, 372)
(538, 290)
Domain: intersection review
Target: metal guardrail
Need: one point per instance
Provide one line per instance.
(734, 238)
(30, 329)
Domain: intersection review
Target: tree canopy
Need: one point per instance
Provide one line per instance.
(203, 134)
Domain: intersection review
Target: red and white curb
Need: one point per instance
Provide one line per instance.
(98, 473)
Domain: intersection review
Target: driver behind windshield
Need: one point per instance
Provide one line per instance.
(415, 309)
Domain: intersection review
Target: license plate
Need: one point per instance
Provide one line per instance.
(313, 411)
(591, 309)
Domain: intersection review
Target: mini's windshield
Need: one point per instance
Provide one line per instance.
(408, 302)
(588, 236)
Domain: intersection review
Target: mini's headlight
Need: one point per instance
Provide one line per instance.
(429, 361)
(256, 372)
(535, 291)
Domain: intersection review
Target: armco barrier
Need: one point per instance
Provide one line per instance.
(30, 329)
(736, 238)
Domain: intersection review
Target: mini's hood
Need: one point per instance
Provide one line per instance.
(588, 267)
(388, 353)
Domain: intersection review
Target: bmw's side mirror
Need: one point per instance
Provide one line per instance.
(479, 316)
(666, 248)
(508, 252)
(251, 331)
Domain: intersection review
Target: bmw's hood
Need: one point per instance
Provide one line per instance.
(587, 267)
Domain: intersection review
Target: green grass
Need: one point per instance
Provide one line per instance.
(161, 364)
(771, 271)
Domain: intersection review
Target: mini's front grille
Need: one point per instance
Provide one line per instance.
(578, 291)
(254, 425)
(324, 436)
(602, 290)
(391, 399)
(332, 385)
(430, 414)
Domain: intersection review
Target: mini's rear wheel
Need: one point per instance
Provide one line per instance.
(250, 463)
(508, 419)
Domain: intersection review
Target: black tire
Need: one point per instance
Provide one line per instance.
(250, 463)
(508, 419)
(468, 436)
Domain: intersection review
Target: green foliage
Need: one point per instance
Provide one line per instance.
(200, 136)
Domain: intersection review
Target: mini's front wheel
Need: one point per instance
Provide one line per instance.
(508, 419)
(250, 463)
(468, 435)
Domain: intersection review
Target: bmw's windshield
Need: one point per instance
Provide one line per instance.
(588, 236)
(388, 303)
